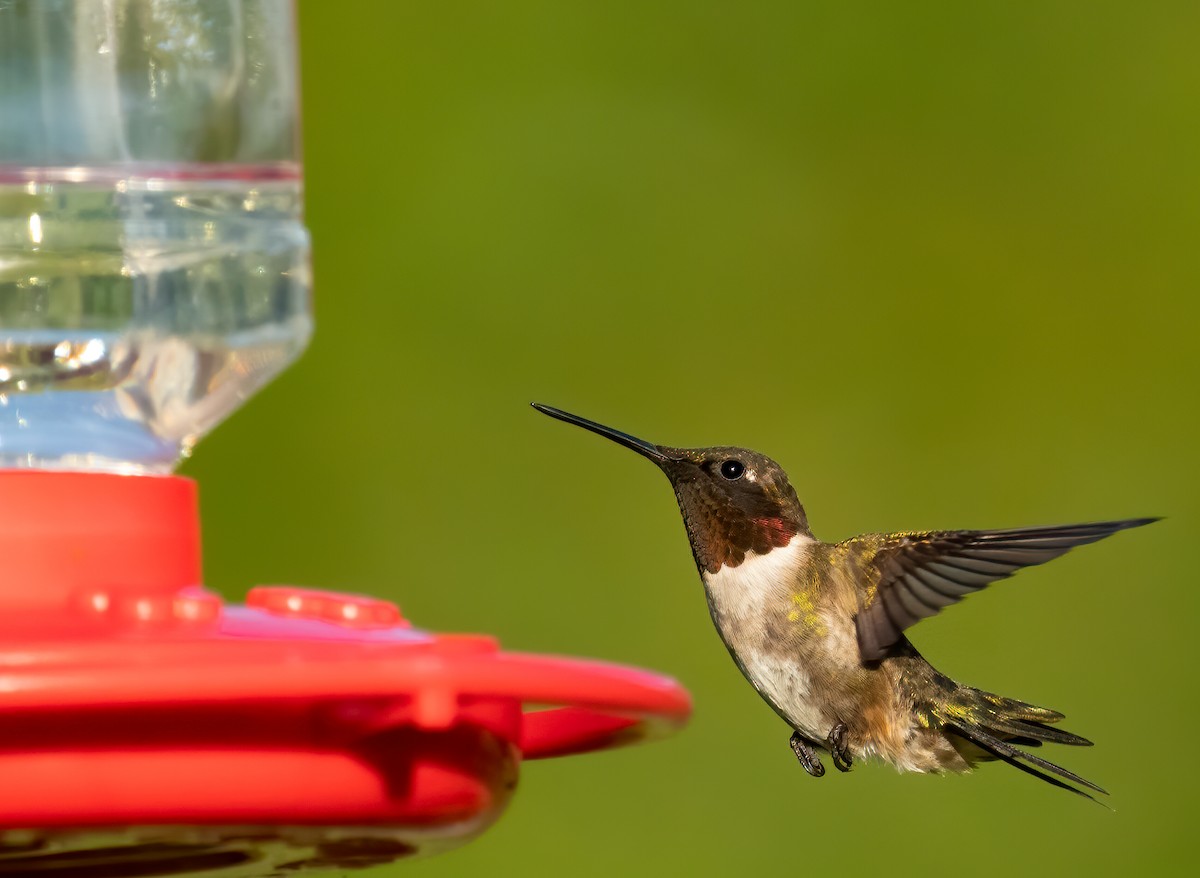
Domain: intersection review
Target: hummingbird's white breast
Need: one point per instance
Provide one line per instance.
(745, 591)
(747, 603)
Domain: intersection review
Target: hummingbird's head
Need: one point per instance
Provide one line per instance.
(734, 501)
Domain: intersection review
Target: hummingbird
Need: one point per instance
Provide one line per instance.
(818, 628)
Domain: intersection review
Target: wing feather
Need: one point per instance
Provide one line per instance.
(920, 573)
(935, 591)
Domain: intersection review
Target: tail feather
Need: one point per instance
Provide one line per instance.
(1027, 729)
(996, 725)
(1012, 708)
(1027, 762)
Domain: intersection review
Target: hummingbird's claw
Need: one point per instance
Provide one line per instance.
(839, 748)
(809, 760)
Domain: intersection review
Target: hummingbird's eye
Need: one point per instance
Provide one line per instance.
(732, 470)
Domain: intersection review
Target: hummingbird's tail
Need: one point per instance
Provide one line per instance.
(991, 727)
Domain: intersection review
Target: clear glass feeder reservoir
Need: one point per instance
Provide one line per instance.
(154, 265)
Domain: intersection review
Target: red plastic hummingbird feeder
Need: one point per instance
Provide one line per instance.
(154, 273)
(148, 728)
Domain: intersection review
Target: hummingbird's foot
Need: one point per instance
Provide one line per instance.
(839, 748)
(809, 760)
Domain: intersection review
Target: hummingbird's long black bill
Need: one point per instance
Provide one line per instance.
(641, 446)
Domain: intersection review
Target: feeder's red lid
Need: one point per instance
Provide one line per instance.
(139, 710)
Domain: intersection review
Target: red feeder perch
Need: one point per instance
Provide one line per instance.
(148, 728)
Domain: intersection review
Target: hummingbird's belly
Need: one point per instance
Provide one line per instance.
(789, 689)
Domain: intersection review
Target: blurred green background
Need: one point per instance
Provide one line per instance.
(939, 259)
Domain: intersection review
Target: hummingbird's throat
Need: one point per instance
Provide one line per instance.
(718, 542)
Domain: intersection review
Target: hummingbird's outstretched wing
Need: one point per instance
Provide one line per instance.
(919, 573)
